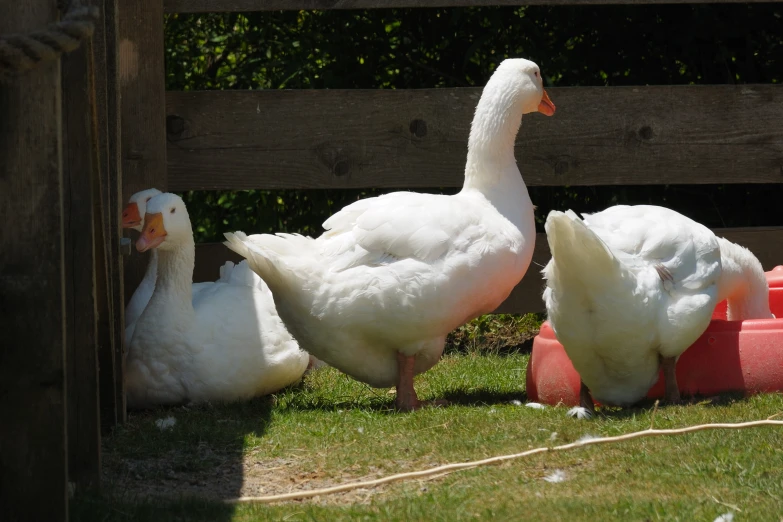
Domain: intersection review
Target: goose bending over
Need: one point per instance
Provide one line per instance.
(376, 294)
(226, 344)
(630, 288)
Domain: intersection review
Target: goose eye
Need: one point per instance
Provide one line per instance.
(173, 210)
(536, 73)
(148, 199)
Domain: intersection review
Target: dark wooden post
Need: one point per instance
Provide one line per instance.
(114, 179)
(107, 216)
(143, 109)
(82, 259)
(33, 448)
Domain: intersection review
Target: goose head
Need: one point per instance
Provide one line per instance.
(136, 208)
(515, 88)
(166, 224)
(518, 82)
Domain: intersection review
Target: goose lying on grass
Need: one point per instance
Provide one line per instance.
(376, 294)
(629, 289)
(226, 344)
(133, 218)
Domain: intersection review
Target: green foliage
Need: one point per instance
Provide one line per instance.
(448, 47)
(302, 211)
(495, 333)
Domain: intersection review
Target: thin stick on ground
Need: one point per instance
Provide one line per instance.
(495, 460)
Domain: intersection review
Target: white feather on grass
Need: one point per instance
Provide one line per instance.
(556, 476)
(580, 413)
(165, 424)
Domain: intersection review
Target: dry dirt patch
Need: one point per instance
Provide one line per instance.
(226, 478)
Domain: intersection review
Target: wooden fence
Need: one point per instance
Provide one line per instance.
(61, 293)
(75, 145)
(417, 138)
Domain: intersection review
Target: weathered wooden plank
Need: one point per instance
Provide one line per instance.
(110, 354)
(143, 113)
(142, 86)
(765, 242)
(80, 265)
(108, 407)
(114, 177)
(106, 218)
(418, 138)
(33, 452)
(207, 6)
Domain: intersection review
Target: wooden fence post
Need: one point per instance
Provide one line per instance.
(106, 210)
(142, 111)
(83, 259)
(143, 102)
(33, 439)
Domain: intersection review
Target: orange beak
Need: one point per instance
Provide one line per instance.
(154, 232)
(130, 216)
(546, 106)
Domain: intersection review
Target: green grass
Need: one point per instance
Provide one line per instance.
(331, 429)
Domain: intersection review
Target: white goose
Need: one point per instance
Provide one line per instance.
(225, 345)
(133, 218)
(376, 294)
(630, 288)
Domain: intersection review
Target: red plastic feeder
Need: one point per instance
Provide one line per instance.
(744, 356)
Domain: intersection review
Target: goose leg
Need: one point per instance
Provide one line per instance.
(672, 394)
(407, 400)
(406, 395)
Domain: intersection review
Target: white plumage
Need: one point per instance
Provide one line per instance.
(376, 294)
(630, 288)
(226, 343)
(133, 217)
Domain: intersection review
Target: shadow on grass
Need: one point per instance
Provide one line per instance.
(376, 405)
(100, 508)
(181, 473)
(482, 397)
(385, 404)
(646, 405)
(723, 399)
(474, 397)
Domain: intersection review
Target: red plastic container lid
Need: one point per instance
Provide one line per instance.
(775, 277)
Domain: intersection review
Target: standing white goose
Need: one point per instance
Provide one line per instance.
(376, 294)
(225, 345)
(630, 288)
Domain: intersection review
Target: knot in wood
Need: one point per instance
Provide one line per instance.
(341, 167)
(561, 167)
(336, 157)
(175, 126)
(418, 128)
(646, 133)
